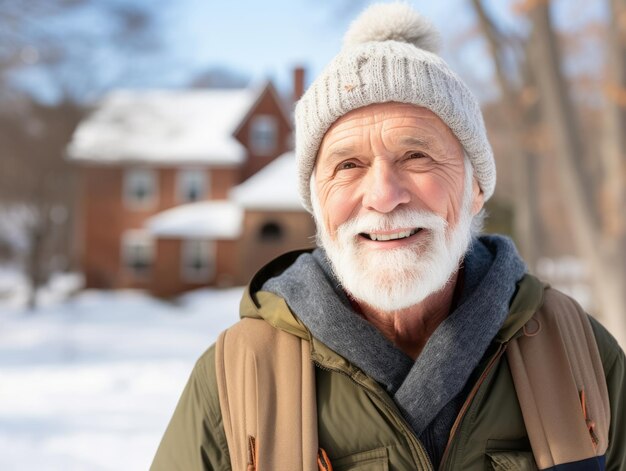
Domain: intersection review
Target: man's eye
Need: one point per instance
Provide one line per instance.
(417, 155)
(346, 165)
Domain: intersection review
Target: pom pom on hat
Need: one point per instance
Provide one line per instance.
(393, 21)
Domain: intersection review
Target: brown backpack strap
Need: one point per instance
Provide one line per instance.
(266, 385)
(560, 384)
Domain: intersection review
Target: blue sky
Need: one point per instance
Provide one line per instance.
(266, 39)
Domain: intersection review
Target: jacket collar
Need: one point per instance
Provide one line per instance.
(258, 304)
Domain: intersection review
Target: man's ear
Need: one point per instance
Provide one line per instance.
(478, 197)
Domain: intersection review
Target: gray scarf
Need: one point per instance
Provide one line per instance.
(491, 269)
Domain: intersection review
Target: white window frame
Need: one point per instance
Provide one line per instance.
(207, 247)
(188, 176)
(262, 126)
(137, 238)
(132, 176)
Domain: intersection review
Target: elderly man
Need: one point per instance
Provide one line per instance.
(404, 311)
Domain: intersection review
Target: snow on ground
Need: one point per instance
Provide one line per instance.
(90, 383)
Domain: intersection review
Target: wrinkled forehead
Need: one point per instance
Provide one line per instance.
(398, 125)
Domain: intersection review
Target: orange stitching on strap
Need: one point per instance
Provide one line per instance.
(323, 463)
(252, 453)
(591, 425)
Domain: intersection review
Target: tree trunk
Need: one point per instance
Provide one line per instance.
(525, 211)
(35, 262)
(607, 278)
(614, 149)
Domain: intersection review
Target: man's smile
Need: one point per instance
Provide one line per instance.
(390, 235)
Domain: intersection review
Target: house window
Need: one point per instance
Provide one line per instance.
(197, 260)
(140, 188)
(192, 185)
(263, 134)
(138, 252)
(270, 232)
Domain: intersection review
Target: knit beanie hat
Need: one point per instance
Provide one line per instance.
(389, 55)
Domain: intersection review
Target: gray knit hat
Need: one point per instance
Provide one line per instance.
(389, 56)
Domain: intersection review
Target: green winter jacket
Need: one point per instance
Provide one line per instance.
(359, 425)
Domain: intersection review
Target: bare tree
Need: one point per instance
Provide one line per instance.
(72, 63)
(520, 121)
(71, 60)
(37, 185)
(596, 229)
(614, 150)
(605, 255)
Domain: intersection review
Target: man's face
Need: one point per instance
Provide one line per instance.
(393, 202)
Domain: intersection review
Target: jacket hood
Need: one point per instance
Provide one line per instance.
(258, 304)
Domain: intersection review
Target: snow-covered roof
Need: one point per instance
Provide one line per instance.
(203, 220)
(164, 126)
(275, 187)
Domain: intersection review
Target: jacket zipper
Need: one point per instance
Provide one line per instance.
(457, 423)
(417, 448)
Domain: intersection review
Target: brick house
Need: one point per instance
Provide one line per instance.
(157, 171)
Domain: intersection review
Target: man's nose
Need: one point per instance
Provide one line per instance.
(384, 189)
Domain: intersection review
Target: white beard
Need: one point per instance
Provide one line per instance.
(394, 279)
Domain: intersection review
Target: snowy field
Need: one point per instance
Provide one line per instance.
(90, 383)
